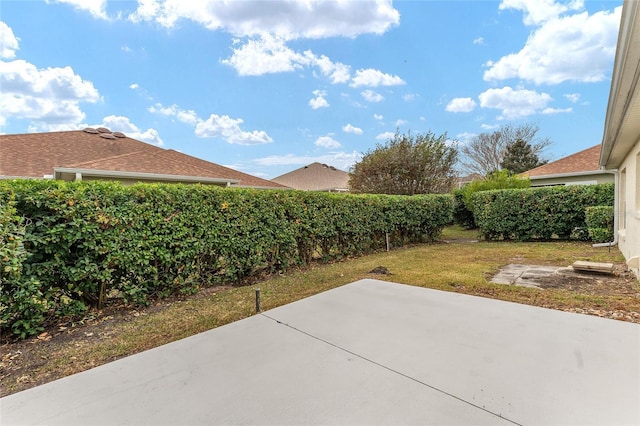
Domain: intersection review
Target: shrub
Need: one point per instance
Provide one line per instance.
(599, 220)
(463, 214)
(536, 213)
(22, 305)
(83, 240)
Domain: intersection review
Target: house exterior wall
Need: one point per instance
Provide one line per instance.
(629, 206)
(574, 180)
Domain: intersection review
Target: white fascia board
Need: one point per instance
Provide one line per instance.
(142, 176)
(564, 175)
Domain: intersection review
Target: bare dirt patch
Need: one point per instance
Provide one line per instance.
(621, 283)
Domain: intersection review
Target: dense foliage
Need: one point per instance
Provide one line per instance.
(599, 221)
(497, 180)
(537, 213)
(68, 246)
(519, 157)
(406, 165)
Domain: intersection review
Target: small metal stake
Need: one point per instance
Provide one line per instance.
(257, 300)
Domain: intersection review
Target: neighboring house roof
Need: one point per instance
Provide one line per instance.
(315, 177)
(583, 162)
(622, 123)
(463, 180)
(111, 155)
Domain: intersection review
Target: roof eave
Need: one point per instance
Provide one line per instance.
(570, 174)
(261, 187)
(142, 176)
(622, 122)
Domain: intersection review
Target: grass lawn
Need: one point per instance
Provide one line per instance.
(458, 265)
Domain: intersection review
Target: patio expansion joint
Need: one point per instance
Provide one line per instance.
(369, 360)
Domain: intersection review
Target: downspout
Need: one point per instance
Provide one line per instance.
(616, 207)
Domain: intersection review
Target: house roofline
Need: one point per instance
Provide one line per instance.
(281, 188)
(624, 84)
(569, 174)
(143, 176)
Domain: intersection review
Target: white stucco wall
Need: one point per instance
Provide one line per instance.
(629, 212)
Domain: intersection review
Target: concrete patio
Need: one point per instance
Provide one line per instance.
(370, 352)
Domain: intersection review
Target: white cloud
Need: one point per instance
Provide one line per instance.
(548, 111)
(489, 126)
(286, 19)
(422, 118)
(336, 71)
(409, 97)
(8, 42)
(378, 117)
(401, 122)
(514, 103)
(479, 41)
(229, 129)
(371, 96)
(265, 55)
(341, 160)
(134, 86)
(465, 137)
(579, 47)
(268, 54)
(540, 11)
(461, 105)
(385, 136)
(319, 101)
(572, 97)
(327, 142)
(348, 128)
(184, 116)
(97, 8)
(23, 78)
(373, 78)
(215, 126)
(123, 124)
(126, 49)
(49, 97)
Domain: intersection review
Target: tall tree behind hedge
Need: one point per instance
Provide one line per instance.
(484, 152)
(406, 165)
(520, 157)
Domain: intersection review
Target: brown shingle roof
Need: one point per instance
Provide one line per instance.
(35, 155)
(315, 177)
(583, 161)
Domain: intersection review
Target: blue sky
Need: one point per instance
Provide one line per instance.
(269, 86)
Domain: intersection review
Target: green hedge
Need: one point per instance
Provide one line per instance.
(462, 213)
(599, 220)
(537, 213)
(84, 241)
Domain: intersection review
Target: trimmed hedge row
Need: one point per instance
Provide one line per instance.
(537, 213)
(599, 220)
(83, 241)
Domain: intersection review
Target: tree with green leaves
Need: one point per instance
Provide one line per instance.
(484, 153)
(519, 157)
(407, 165)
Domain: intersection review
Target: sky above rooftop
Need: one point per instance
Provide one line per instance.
(269, 86)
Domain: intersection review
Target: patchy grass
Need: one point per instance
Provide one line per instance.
(459, 265)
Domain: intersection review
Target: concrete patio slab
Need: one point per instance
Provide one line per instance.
(525, 275)
(370, 352)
